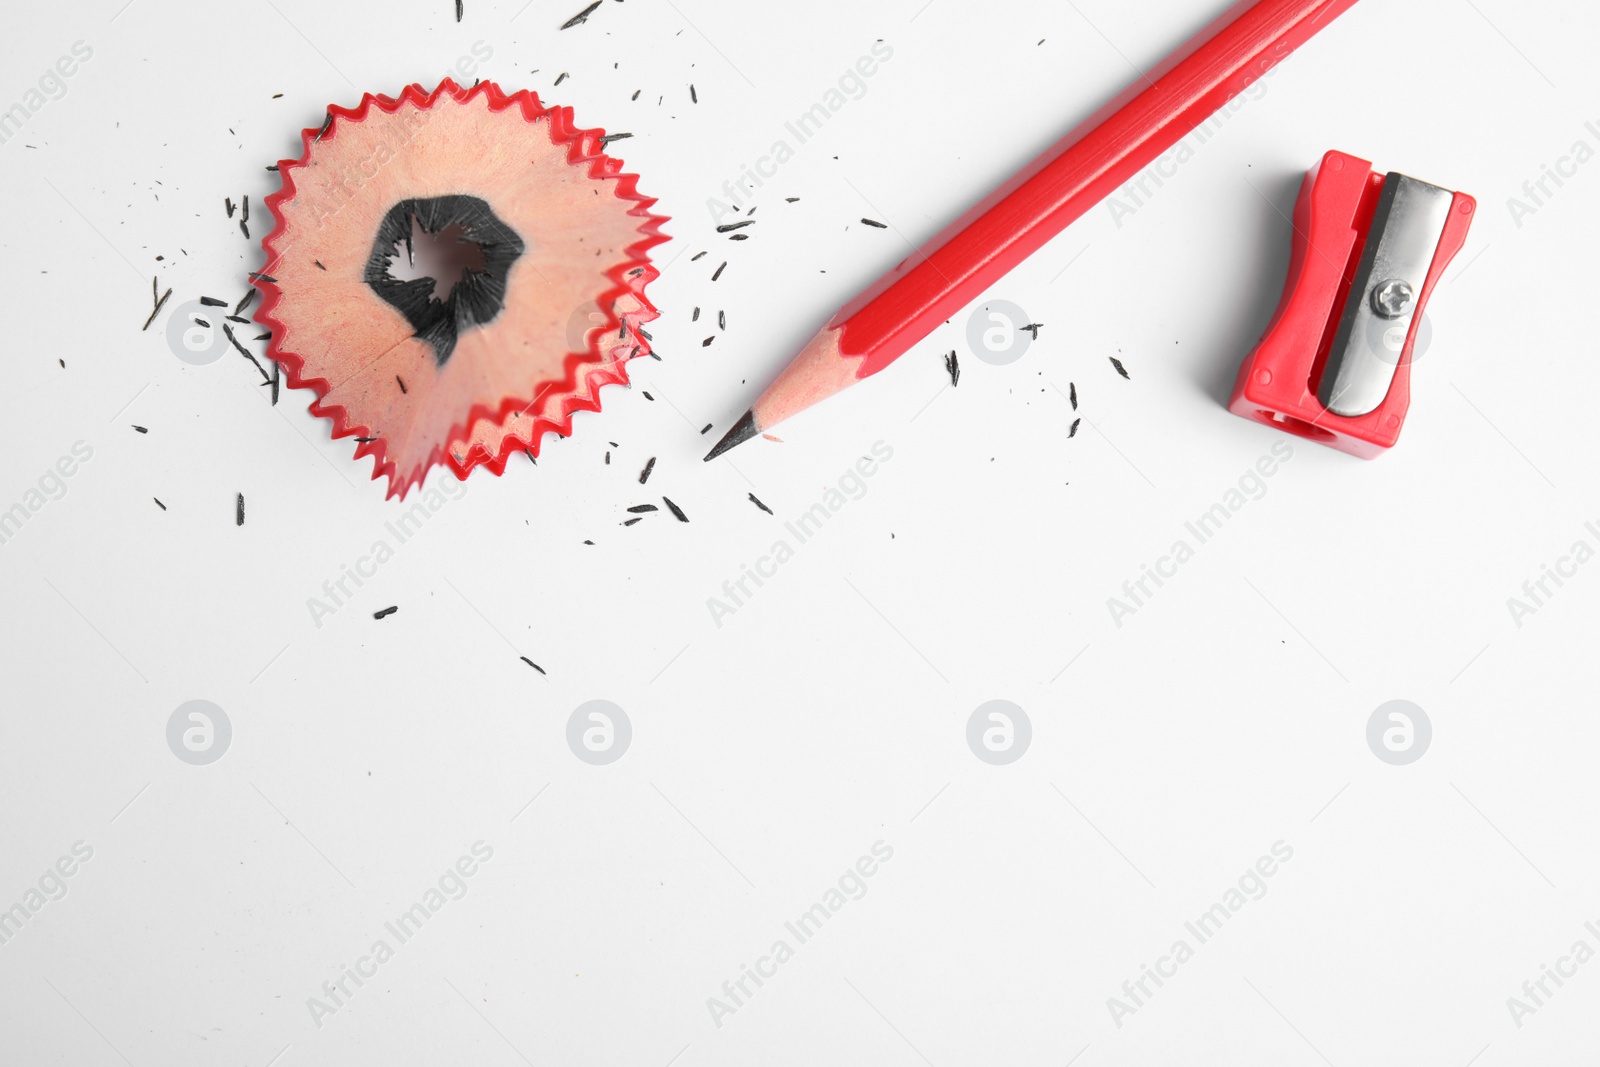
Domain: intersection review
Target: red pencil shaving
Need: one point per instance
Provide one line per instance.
(956, 267)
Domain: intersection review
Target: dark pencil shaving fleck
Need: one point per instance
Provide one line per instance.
(608, 459)
(159, 304)
(639, 509)
(1072, 394)
(386, 612)
(636, 518)
(459, 10)
(262, 336)
(608, 138)
(365, 440)
(696, 316)
(718, 274)
(244, 208)
(257, 276)
(238, 318)
(272, 167)
(530, 662)
(708, 340)
(646, 394)
(875, 222)
(213, 302)
(238, 510)
(1117, 363)
(244, 228)
(159, 504)
(791, 199)
(644, 475)
(1072, 431)
(952, 367)
(277, 375)
(635, 95)
(244, 301)
(141, 429)
(562, 78)
(739, 237)
(694, 97)
(1034, 328)
(318, 262)
(202, 322)
(245, 352)
(587, 543)
(757, 502)
(729, 227)
(697, 255)
(706, 430)
(227, 202)
(402, 384)
(581, 17)
(675, 509)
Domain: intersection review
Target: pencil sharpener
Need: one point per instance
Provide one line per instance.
(1334, 364)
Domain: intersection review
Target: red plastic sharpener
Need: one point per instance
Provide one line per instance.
(1334, 364)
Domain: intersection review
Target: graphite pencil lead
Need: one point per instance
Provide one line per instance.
(741, 432)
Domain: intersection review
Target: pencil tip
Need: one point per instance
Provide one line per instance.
(742, 431)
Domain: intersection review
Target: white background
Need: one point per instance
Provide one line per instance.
(829, 712)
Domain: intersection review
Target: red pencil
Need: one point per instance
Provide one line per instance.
(1014, 221)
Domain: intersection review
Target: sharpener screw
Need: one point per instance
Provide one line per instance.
(1393, 298)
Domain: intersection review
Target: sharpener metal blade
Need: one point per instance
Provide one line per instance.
(1406, 227)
